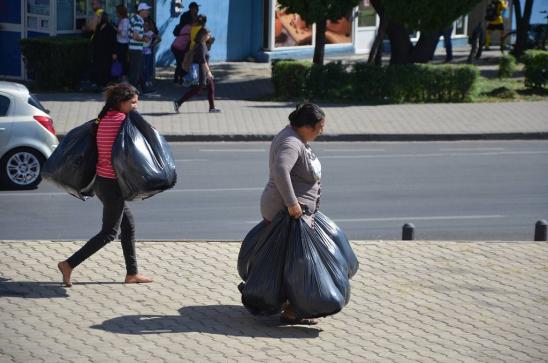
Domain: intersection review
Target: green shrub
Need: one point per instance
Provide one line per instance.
(507, 66)
(289, 77)
(328, 82)
(370, 83)
(536, 68)
(56, 62)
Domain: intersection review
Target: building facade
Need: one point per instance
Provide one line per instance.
(243, 29)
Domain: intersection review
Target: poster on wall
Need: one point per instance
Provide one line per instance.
(38, 7)
(340, 31)
(290, 30)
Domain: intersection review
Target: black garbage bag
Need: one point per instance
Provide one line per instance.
(142, 160)
(338, 236)
(247, 249)
(262, 263)
(315, 273)
(72, 164)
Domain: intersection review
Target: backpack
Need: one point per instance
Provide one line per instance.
(491, 13)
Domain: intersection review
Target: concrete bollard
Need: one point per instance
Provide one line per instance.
(540, 230)
(408, 232)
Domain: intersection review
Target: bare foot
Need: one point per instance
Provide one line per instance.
(66, 270)
(137, 279)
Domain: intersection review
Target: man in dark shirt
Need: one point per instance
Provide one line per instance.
(188, 17)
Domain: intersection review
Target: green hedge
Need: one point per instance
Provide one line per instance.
(507, 66)
(364, 82)
(56, 62)
(536, 68)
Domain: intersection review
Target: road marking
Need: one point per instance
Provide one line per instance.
(232, 150)
(494, 153)
(426, 218)
(206, 190)
(350, 150)
(189, 160)
(471, 149)
(407, 219)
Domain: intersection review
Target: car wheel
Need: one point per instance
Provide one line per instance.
(21, 168)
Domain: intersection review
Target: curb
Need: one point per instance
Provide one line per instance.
(362, 137)
(371, 137)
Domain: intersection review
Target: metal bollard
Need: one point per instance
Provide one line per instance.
(408, 232)
(540, 230)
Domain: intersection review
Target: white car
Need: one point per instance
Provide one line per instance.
(27, 136)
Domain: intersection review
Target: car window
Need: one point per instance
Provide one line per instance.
(34, 102)
(4, 105)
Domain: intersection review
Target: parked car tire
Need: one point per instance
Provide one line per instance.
(21, 168)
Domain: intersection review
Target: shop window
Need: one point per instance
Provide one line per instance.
(340, 31)
(460, 25)
(38, 12)
(290, 30)
(366, 14)
(65, 15)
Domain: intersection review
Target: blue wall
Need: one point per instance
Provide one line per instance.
(236, 25)
(10, 61)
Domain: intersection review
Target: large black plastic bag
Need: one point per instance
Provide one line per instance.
(315, 273)
(73, 164)
(338, 236)
(247, 249)
(142, 159)
(262, 264)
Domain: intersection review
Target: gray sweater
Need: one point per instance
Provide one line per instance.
(294, 175)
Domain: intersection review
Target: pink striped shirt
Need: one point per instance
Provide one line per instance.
(108, 130)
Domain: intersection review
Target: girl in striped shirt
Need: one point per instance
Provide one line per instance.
(120, 100)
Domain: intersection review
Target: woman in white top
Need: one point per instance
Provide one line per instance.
(122, 38)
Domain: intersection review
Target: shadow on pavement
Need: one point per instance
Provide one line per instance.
(31, 289)
(233, 320)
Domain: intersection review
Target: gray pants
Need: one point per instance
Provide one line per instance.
(135, 67)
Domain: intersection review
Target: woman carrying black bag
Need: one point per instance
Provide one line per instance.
(295, 174)
(120, 100)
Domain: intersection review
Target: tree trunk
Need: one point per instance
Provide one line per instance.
(522, 26)
(423, 51)
(319, 50)
(400, 44)
(377, 47)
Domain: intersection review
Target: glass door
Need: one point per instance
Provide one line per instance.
(366, 27)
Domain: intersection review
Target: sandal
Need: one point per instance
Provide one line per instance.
(295, 321)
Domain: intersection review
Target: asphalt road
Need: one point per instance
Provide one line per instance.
(449, 190)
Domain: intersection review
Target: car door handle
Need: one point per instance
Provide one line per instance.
(2, 129)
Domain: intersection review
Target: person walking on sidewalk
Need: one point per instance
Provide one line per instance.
(204, 75)
(295, 174)
(495, 21)
(122, 38)
(120, 100)
(136, 40)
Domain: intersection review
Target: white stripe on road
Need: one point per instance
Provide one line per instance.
(232, 150)
(471, 149)
(205, 190)
(410, 219)
(351, 150)
(494, 153)
(189, 160)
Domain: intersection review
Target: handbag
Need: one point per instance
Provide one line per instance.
(116, 69)
(192, 77)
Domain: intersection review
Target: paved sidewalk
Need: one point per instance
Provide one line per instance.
(411, 301)
(239, 85)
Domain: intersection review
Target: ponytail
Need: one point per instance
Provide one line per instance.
(114, 95)
(306, 114)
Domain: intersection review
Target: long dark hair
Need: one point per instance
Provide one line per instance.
(116, 94)
(121, 11)
(306, 114)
